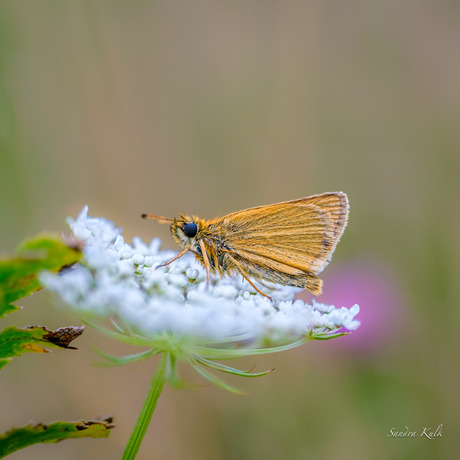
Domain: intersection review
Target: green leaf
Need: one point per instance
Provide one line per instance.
(18, 275)
(18, 438)
(15, 341)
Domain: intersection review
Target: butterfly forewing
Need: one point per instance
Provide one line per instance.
(301, 234)
(336, 204)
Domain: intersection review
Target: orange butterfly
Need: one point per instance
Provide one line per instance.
(286, 243)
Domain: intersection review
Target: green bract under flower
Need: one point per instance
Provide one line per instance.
(122, 282)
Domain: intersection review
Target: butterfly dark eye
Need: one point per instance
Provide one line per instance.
(190, 230)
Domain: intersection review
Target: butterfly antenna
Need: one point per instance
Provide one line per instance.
(162, 220)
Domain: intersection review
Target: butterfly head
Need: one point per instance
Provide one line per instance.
(185, 231)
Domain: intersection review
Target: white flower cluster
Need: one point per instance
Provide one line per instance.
(120, 280)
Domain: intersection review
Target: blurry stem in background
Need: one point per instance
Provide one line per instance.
(150, 402)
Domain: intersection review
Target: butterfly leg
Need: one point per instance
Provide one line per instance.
(205, 259)
(254, 286)
(243, 274)
(172, 260)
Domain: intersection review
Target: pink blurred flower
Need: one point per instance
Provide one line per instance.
(372, 285)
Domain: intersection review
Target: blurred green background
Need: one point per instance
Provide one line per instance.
(209, 107)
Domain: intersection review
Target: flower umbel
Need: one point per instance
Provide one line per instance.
(172, 311)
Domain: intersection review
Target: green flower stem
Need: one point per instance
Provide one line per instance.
(142, 423)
